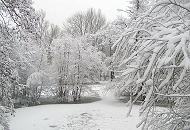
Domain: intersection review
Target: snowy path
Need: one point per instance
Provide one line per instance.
(107, 114)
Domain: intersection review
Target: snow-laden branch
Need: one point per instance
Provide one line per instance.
(173, 95)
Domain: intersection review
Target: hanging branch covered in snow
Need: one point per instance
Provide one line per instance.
(153, 56)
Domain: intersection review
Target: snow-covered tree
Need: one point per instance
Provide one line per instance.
(76, 64)
(18, 22)
(152, 59)
(83, 23)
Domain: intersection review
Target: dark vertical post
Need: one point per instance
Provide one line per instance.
(112, 71)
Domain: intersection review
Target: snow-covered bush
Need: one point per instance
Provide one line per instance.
(3, 118)
(153, 58)
(35, 83)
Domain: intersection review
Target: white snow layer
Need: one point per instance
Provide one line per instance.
(107, 114)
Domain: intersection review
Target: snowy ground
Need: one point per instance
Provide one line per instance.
(107, 114)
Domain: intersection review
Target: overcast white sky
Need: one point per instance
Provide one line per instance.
(58, 10)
